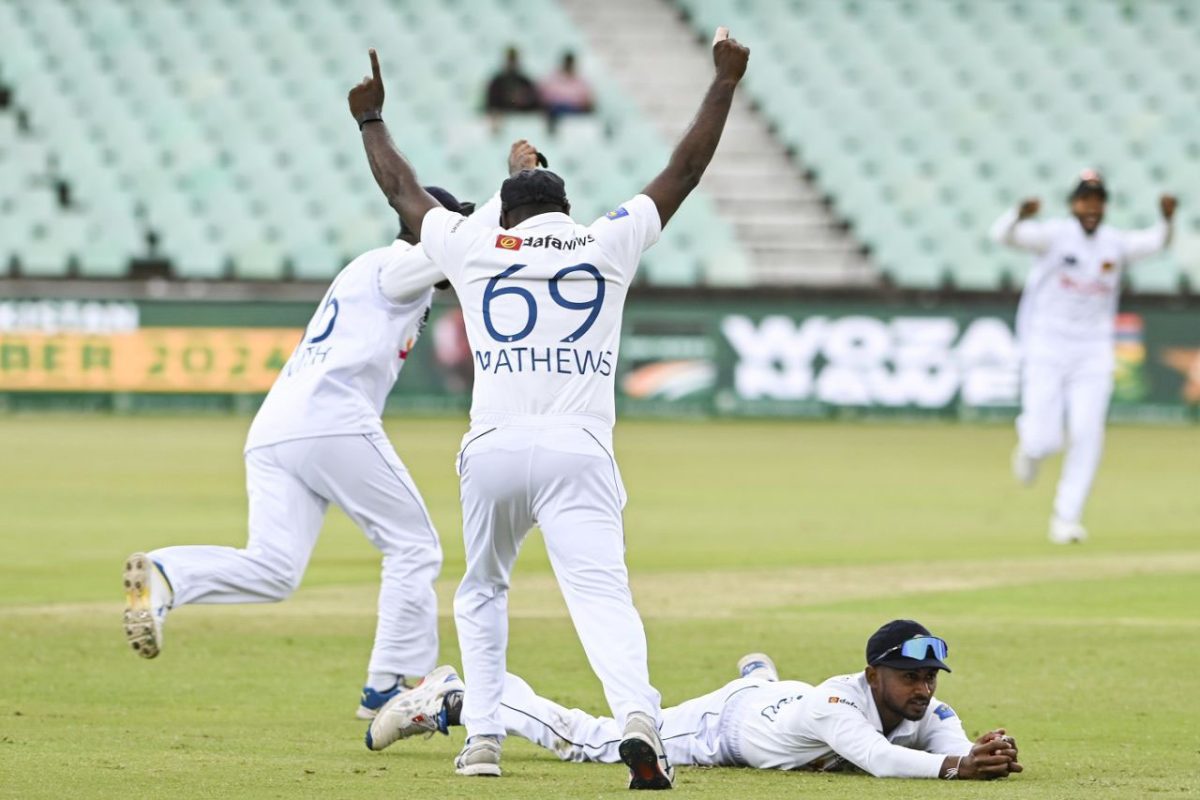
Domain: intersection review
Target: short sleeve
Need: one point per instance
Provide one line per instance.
(405, 275)
(446, 237)
(628, 231)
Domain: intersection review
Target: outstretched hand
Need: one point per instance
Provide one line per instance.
(1029, 208)
(729, 56)
(366, 99)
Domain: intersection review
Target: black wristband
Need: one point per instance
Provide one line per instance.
(365, 120)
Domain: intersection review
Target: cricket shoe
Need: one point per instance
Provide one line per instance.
(757, 665)
(372, 700)
(148, 597)
(1024, 468)
(479, 758)
(642, 750)
(420, 710)
(1064, 532)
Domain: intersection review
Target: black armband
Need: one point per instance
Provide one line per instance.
(365, 120)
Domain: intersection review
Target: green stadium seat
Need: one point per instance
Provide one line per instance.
(1010, 97)
(222, 124)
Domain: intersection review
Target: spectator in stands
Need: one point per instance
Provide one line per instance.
(565, 92)
(510, 89)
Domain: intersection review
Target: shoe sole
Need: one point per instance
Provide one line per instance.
(479, 771)
(139, 616)
(642, 760)
(767, 671)
(401, 705)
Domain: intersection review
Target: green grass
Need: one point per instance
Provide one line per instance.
(794, 538)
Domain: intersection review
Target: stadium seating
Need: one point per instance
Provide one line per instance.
(220, 129)
(923, 119)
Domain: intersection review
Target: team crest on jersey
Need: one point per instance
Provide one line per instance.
(506, 242)
(944, 711)
(617, 213)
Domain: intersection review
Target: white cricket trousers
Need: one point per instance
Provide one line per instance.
(565, 480)
(1069, 388)
(290, 485)
(692, 732)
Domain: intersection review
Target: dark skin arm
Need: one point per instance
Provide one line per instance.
(994, 755)
(695, 150)
(395, 176)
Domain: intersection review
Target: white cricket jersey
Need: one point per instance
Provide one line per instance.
(1070, 295)
(340, 374)
(792, 725)
(543, 304)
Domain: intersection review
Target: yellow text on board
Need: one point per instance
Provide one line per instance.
(217, 360)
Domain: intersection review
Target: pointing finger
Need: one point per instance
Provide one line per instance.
(721, 34)
(375, 65)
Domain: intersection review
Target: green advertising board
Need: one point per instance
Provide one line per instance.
(678, 358)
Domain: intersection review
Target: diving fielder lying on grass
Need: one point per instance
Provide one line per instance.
(884, 720)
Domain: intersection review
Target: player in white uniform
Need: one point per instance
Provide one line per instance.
(318, 438)
(884, 720)
(1065, 328)
(543, 298)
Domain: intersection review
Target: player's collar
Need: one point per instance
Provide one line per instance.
(549, 218)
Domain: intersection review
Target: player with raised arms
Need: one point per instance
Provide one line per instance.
(543, 298)
(1065, 326)
(318, 438)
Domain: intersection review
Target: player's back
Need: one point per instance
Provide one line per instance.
(339, 376)
(543, 303)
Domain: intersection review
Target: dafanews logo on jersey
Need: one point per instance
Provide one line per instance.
(507, 241)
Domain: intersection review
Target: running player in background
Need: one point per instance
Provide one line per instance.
(543, 298)
(1065, 327)
(318, 438)
(884, 720)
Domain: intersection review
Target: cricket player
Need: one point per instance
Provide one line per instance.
(885, 720)
(543, 297)
(318, 438)
(1065, 328)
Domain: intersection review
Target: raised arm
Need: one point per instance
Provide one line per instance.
(1017, 228)
(393, 173)
(1148, 241)
(695, 150)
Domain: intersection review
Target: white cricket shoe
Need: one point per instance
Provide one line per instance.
(419, 710)
(1063, 532)
(757, 665)
(148, 597)
(642, 751)
(479, 758)
(1024, 468)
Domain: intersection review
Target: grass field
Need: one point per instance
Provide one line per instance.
(798, 539)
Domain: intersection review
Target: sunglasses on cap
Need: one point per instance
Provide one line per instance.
(916, 649)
